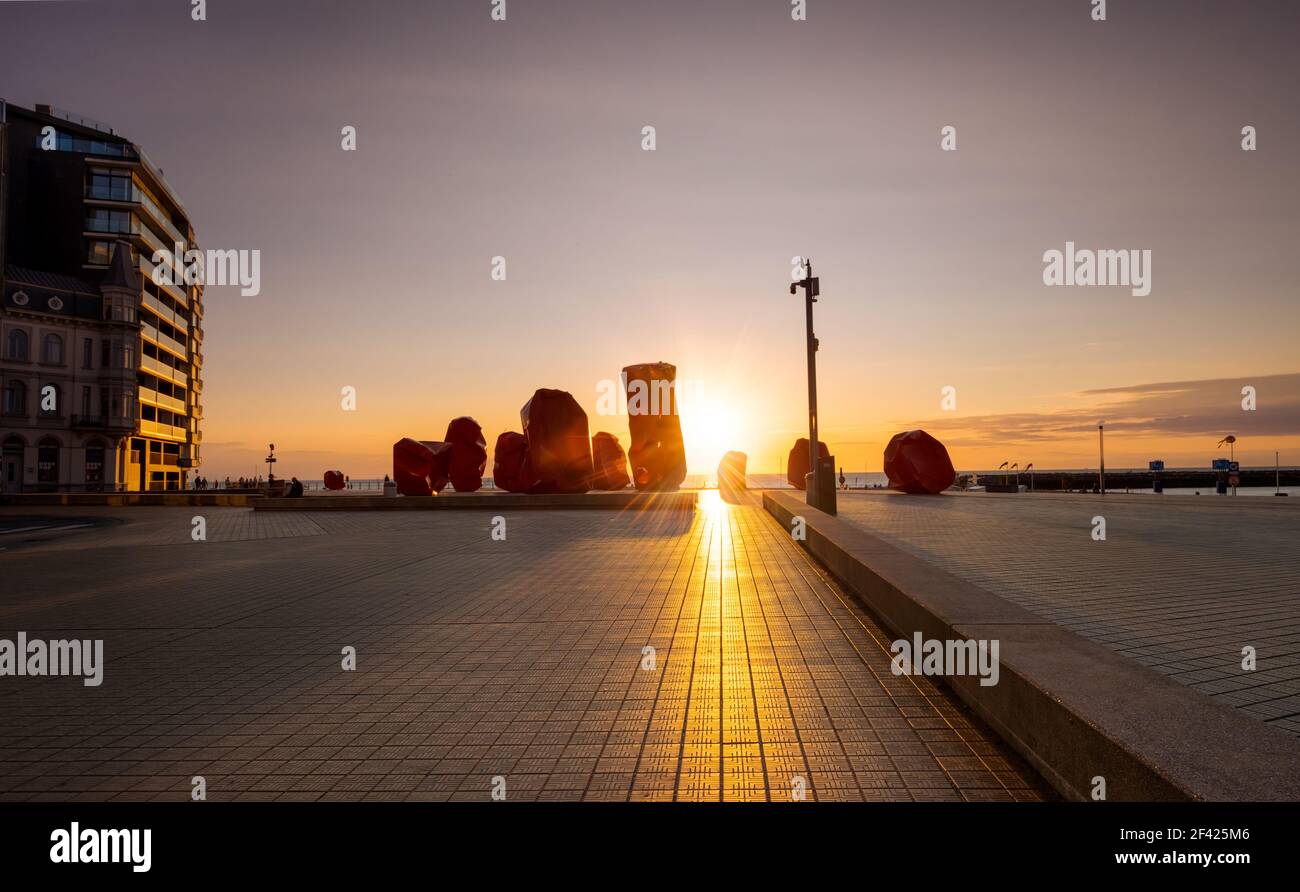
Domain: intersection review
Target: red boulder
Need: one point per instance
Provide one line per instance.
(468, 454)
(510, 468)
(731, 476)
(657, 452)
(420, 466)
(796, 464)
(334, 480)
(917, 463)
(559, 442)
(610, 462)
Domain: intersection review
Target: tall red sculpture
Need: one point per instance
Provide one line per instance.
(917, 463)
(796, 464)
(334, 480)
(657, 453)
(731, 476)
(559, 442)
(610, 462)
(510, 468)
(468, 454)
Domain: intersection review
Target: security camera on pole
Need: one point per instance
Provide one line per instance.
(820, 481)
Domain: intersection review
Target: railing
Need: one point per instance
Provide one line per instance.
(161, 430)
(166, 283)
(165, 312)
(154, 365)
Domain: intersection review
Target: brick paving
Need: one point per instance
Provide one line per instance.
(476, 659)
(1181, 584)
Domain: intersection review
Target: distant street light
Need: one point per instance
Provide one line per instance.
(1101, 445)
(1231, 440)
(270, 465)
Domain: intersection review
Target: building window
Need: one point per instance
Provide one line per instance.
(52, 350)
(88, 353)
(16, 344)
(110, 185)
(105, 220)
(98, 252)
(105, 353)
(85, 401)
(15, 398)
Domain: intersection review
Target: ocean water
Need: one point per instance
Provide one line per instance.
(693, 481)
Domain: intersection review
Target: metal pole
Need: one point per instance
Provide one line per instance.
(1101, 444)
(814, 497)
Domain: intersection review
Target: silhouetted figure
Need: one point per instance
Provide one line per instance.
(295, 488)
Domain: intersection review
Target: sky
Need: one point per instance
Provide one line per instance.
(774, 138)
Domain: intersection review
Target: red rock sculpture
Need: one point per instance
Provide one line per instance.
(731, 476)
(334, 480)
(610, 462)
(420, 466)
(468, 454)
(657, 452)
(510, 468)
(412, 465)
(559, 442)
(796, 464)
(917, 463)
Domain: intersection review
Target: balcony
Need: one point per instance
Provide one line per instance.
(176, 291)
(138, 198)
(164, 312)
(162, 340)
(163, 370)
(166, 431)
(161, 400)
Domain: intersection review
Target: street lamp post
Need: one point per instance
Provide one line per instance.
(270, 466)
(815, 497)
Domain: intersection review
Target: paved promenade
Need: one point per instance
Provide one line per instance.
(522, 659)
(1181, 584)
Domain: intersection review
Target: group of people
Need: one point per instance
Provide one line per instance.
(240, 483)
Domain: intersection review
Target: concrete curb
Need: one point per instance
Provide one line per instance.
(1074, 709)
(625, 500)
(125, 499)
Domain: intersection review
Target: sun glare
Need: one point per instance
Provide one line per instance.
(710, 430)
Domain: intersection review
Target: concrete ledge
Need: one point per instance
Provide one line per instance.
(496, 500)
(123, 499)
(1071, 707)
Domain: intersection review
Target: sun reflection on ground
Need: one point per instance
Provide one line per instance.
(709, 500)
